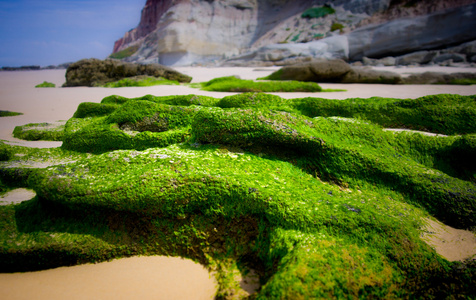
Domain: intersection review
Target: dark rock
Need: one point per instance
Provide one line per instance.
(334, 71)
(454, 57)
(95, 72)
(386, 61)
(405, 35)
(438, 78)
(469, 49)
(22, 68)
(317, 71)
(416, 58)
(368, 75)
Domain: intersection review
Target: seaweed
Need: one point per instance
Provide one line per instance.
(234, 84)
(312, 194)
(45, 84)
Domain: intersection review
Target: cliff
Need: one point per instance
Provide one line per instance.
(185, 32)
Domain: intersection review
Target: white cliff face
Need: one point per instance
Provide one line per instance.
(212, 30)
(186, 32)
(194, 31)
(200, 30)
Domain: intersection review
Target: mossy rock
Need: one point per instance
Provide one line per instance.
(328, 151)
(5, 152)
(255, 100)
(140, 80)
(444, 113)
(40, 131)
(234, 84)
(95, 72)
(311, 194)
(6, 113)
(45, 84)
(92, 109)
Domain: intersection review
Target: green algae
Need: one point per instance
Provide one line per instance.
(318, 12)
(125, 53)
(6, 113)
(234, 84)
(140, 81)
(40, 131)
(46, 84)
(446, 114)
(320, 204)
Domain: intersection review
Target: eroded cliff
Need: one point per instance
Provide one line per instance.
(186, 32)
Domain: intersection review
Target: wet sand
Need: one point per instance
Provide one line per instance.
(18, 93)
(453, 244)
(143, 277)
(147, 277)
(17, 196)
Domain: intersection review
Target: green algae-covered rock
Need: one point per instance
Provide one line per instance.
(444, 113)
(95, 72)
(318, 203)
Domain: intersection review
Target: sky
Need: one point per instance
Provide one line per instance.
(52, 32)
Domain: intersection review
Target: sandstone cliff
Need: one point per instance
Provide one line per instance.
(185, 32)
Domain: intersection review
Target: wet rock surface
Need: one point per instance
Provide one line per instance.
(95, 72)
(338, 71)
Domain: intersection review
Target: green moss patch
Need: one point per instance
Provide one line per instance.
(446, 114)
(6, 113)
(45, 84)
(314, 196)
(465, 81)
(125, 53)
(40, 131)
(318, 12)
(141, 81)
(234, 84)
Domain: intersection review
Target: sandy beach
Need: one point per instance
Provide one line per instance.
(152, 277)
(18, 93)
(157, 277)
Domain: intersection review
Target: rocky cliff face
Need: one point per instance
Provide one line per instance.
(151, 14)
(185, 32)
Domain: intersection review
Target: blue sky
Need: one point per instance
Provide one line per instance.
(51, 32)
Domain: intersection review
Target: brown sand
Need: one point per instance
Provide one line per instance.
(143, 277)
(453, 244)
(151, 277)
(18, 93)
(16, 196)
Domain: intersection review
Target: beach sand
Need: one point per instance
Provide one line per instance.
(18, 93)
(149, 277)
(451, 243)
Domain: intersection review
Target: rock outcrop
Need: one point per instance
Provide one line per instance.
(179, 32)
(434, 31)
(338, 71)
(441, 78)
(95, 72)
(334, 71)
(195, 31)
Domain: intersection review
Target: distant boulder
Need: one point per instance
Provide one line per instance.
(441, 78)
(316, 70)
(95, 72)
(416, 58)
(369, 75)
(405, 35)
(454, 57)
(334, 71)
